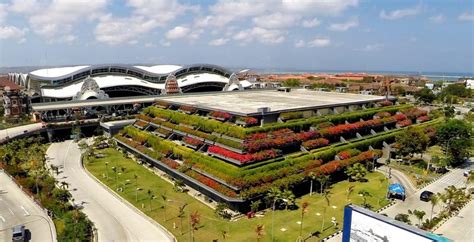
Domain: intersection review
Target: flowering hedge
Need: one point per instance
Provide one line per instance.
(249, 121)
(422, 119)
(404, 123)
(414, 113)
(220, 115)
(385, 103)
(336, 165)
(315, 143)
(140, 123)
(275, 139)
(244, 158)
(188, 109)
(383, 114)
(400, 116)
(346, 154)
(291, 115)
(192, 141)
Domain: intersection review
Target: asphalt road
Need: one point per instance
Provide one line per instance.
(12, 132)
(461, 227)
(114, 220)
(18, 209)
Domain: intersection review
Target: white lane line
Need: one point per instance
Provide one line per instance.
(2, 218)
(11, 211)
(26, 212)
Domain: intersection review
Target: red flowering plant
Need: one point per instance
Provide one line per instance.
(303, 136)
(389, 120)
(315, 143)
(404, 123)
(275, 139)
(220, 115)
(248, 121)
(170, 163)
(330, 167)
(187, 109)
(244, 158)
(413, 113)
(385, 103)
(346, 154)
(430, 132)
(192, 141)
(422, 119)
(400, 116)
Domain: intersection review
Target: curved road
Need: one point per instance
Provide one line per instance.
(114, 220)
(16, 208)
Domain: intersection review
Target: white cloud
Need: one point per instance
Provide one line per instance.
(12, 32)
(467, 16)
(115, 31)
(165, 43)
(218, 42)
(275, 21)
(177, 32)
(162, 11)
(264, 36)
(311, 23)
(323, 7)
(57, 18)
(24, 6)
(437, 19)
(22, 41)
(319, 42)
(150, 45)
(400, 13)
(372, 47)
(300, 44)
(351, 23)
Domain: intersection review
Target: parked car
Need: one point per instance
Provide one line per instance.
(18, 233)
(426, 196)
(467, 172)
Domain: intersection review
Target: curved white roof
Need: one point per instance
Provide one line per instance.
(199, 78)
(160, 69)
(56, 72)
(102, 81)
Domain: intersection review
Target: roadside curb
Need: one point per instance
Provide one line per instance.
(170, 235)
(49, 220)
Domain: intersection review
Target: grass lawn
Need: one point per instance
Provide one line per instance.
(212, 227)
(418, 176)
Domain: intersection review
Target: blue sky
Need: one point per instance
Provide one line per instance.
(393, 35)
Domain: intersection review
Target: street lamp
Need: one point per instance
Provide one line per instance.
(273, 214)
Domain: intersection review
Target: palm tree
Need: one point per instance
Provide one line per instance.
(151, 196)
(434, 200)
(255, 205)
(165, 199)
(304, 209)
(365, 194)
(356, 172)
(418, 214)
(64, 185)
(273, 195)
(260, 231)
(327, 198)
(288, 197)
(322, 182)
(349, 191)
(136, 187)
(181, 215)
(311, 176)
(195, 220)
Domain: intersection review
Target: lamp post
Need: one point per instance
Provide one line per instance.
(273, 214)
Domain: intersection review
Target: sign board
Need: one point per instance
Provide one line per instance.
(362, 225)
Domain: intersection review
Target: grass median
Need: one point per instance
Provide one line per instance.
(116, 171)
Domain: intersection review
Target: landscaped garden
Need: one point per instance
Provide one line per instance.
(160, 200)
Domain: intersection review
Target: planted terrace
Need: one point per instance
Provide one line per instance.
(233, 163)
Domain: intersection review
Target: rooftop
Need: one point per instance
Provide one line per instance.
(248, 102)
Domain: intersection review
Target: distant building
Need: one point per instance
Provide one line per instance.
(429, 86)
(15, 101)
(469, 83)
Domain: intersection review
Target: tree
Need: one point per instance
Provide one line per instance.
(165, 200)
(454, 136)
(349, 191)
(457, 90)
(260, 231)
(425, 95)
(419, 214)
(195, 220)
(151, 196)
(322, 180)
(136, 187)
(402, 217)
(449, 111)
(179, 185)
(434, 200)
(181, 216)
(289, 197)
(304, 210)
(274, 194)
(454, 198)
(365, 194)
(291, 82)
(413, 140)
(356, 172)
(311, 176)
(255, 205)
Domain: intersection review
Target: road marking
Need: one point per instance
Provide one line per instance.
(2, 218)
(11, 211)
(26, 212)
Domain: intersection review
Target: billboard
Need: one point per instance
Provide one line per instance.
(362, 225)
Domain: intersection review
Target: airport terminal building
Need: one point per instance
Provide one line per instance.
(103, 81)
